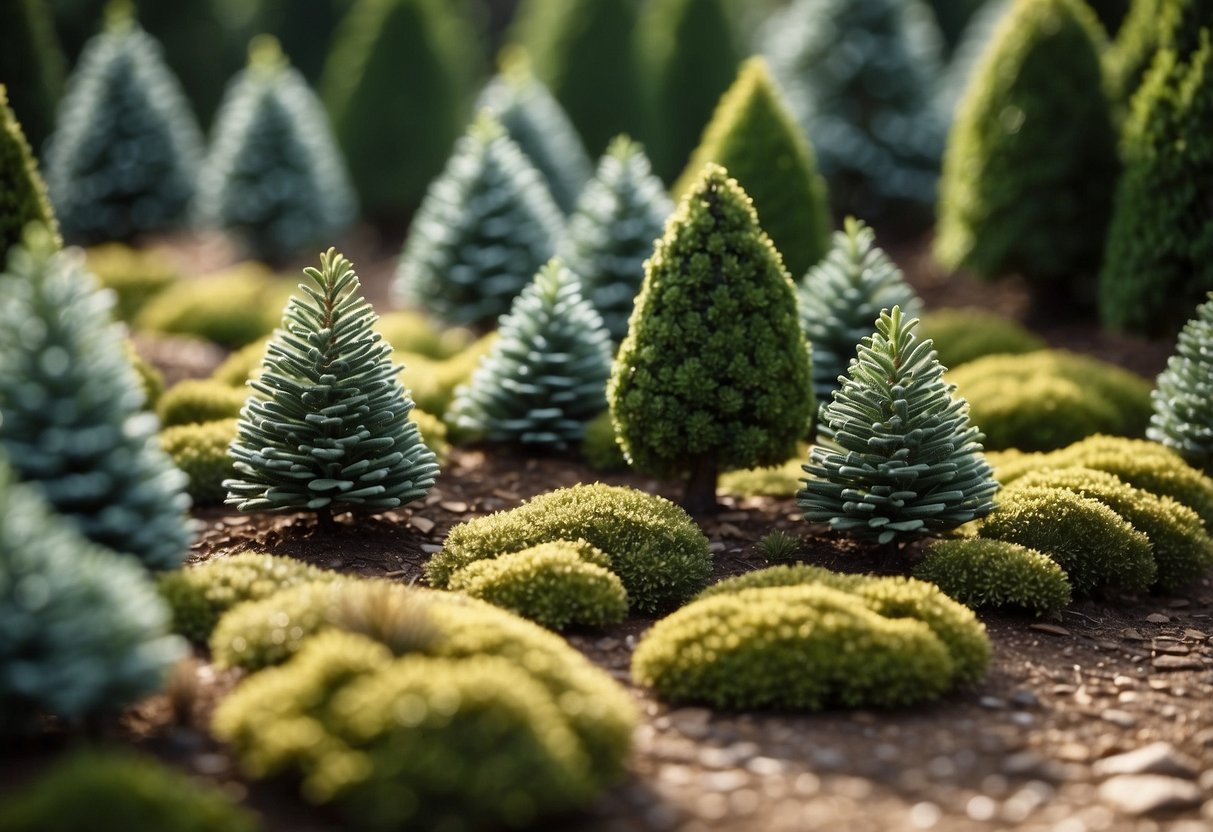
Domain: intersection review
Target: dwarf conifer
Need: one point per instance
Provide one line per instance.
(619, 216)
(22, 193)
(714, 373)
(899, 458)
(327, 428)
(1183, 399)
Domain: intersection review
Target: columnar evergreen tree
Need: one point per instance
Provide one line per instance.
(486, 226)
(1031, 158)
(71, 408)
(753, 136)
(398, 85)
(273, 174)
(899, 458)
(540, 128)
(327, 428)
(546, 375)
(619, 216)
(1159, 257)
(714, 373)
(124, 155)
(22, 194)
(32, 65)
(842, 295)
(1129, 55)
(1183, 397)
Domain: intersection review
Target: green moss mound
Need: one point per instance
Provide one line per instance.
(408, 330)
(200, 451)
(993, 574)
(232, 308)
(135, 276)
(964, 335)
(432, 383)
(199, 400)
(599, 448)
(656, 549)
(269, 630)
(778, 481)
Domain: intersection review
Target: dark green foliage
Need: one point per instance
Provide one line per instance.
(966, 334)
(540, 128)
(486, 226)
(546, 374)
(72, 407)
(583, 51)
(655, 548)
(899, 456)
(135, 276)
(841, 298)
(22, 194)
(273, 174)
(233, 308)
(619, 215)
(199, 450)
(1130, 54)
(753, 136)
(967, 56)
(992, 574)
(330, 430)
(125, 152)
(1031, 158)
(32, 66)
(598, 447)
(1183, 398)
(689, 53)
(779, 546)
(715, 373)
(398, 85)
(304, 27)
(128, 792)
(954, 17)
(83, 629)
(199, 400)
(1159, 259)
(861, 79)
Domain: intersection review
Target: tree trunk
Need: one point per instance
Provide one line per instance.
(324, 519)
(700, 495)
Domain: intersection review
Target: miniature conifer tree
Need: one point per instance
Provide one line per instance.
(620, 214)
(546, 375)
(22, 194)
(540, 128)
(842, 295)
(714, 373)
(753, 136)
(124, 155)
(486, 226)
(1183, 398)
(71, 408)
(327, 428)
(273, 174)
(31, 65)
(1016, 117)
(868, 109)
(899, 458)
(1159, 258)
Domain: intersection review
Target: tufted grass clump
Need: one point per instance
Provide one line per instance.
(964, 335)
(986, 574)
(779, 546)
(557, 585)
(200, 452)
(656, 549)
(196, 400)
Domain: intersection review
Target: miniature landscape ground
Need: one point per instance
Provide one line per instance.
(1032, 747)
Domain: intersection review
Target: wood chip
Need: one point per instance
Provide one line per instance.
(1051, 629)
(422, 524)
(1168, 663)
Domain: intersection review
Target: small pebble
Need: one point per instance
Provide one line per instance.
(1155, 758)
(1157, 618)
(1145, 794)
(1119, 718)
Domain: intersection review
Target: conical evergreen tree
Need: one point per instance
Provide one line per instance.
(620, 215)
(868, 109)
(327, 428)
(899, 458)
(714, 373)
(967, 56)
(546, 375)
(842, 295)
(1159, 258)
(1183, 398)
(124, 155)
(22, 194)
(1035, 105)
(398, 85)
(1128, 57)
(486, 226)
(540, 128)
(71, 408)
(273, 174)
(753, 136)
(32, 65)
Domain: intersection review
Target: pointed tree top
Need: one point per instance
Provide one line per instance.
(120, 15)
(265, 54)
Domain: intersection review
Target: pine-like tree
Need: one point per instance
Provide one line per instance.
(1031, 158)
(273, 174)
(486, 226)
(546, 375)
(842, 295)
(398, 85)
(540, 128)
(899, 458)
(31, 64)
(753, 136)
(71, 408)
(125, 152)
(327, 428)
(22, 195)
(714, 373)
(860, 76)
(1183, 398)
(620, 215)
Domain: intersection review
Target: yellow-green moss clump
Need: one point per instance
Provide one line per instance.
(964, 335)
(655, 547)
(432, 382)
(242, 365)
(433, 433)
(199, 400)
(779, 481)
(408, 330)
(150, 379)
(134, 275)
(1047, 399)
(987, 574)
(200, 451)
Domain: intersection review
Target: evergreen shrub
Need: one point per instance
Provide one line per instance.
(993, 574)
(1183, 396)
